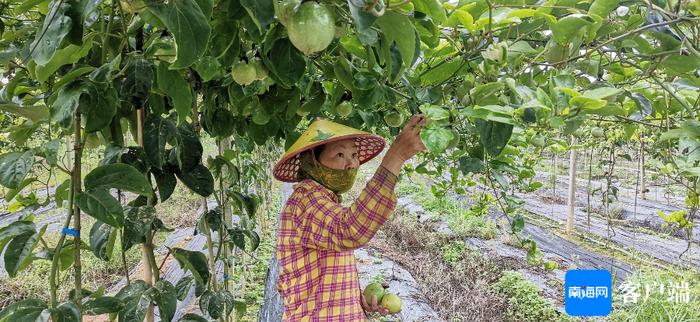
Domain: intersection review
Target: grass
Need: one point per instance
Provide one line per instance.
(524, 300)
(463, 220)
(660, 304)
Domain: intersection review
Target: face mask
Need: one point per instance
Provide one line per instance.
(337, 180)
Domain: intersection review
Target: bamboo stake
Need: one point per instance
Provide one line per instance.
(572, 190)
(77, 267)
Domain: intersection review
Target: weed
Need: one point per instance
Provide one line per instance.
(524, 300)
(656, 301)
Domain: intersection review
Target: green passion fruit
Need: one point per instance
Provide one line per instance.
(311, 28)
(243, 73)
(344, 109)
(374, 289)
(393, 119)
(392, 302)
(597, 132)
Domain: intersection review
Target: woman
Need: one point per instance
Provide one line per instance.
(318, 276)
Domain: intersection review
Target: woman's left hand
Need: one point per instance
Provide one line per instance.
(372, 306)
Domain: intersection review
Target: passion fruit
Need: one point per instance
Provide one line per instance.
(311, 28)
(537, 140)
(344, 109)
(393, 119)
(260, 70)
(374, 289)
(392, 302)
(243, 73)
(597, 132)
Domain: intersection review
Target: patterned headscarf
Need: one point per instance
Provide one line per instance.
(337, 180)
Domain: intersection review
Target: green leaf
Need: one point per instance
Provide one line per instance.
(286, 63)
(56, 26)
(33, 113)
(261, 11)
(138, 222)
(493, 135)
(188, 24)
(166, 299)
(199, 180)
(17, 228)
(14, 167)
(157, 132)
(208, 68)
(135, 309)
(174, 85)
(64, 56)
(183, 287)
(118, 176)
(567, 28)
(435, 113)
(102, 238)
(398, 28)
(362, 19)
(603, 8)
(29, 310)
(101, 205)
(188, 150)
(436, 138)
(442, 72)
(196, 263)
(602, 92)
(587, 103)
(469, 164)
(166, 182)
(63, 108)
(136, 86)
(67, 312)
(212, 303)
(254, 239)
(102, 305)
(432, 8)
(518, 224)
(98, 106)
(19, 251)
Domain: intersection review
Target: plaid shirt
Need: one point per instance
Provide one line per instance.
(318, 275)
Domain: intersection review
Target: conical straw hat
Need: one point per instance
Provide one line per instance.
(321, 132)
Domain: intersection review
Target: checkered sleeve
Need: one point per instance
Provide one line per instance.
(325, 224)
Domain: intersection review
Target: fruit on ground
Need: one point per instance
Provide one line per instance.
(393, 119)
(392, 302)
(243, 73)
(374, 289)
(344, 108)
(311, 28)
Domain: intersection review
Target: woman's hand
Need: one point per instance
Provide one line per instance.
(372, 306)
(406, 145)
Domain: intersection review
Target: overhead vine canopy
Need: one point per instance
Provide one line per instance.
(497, 79)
